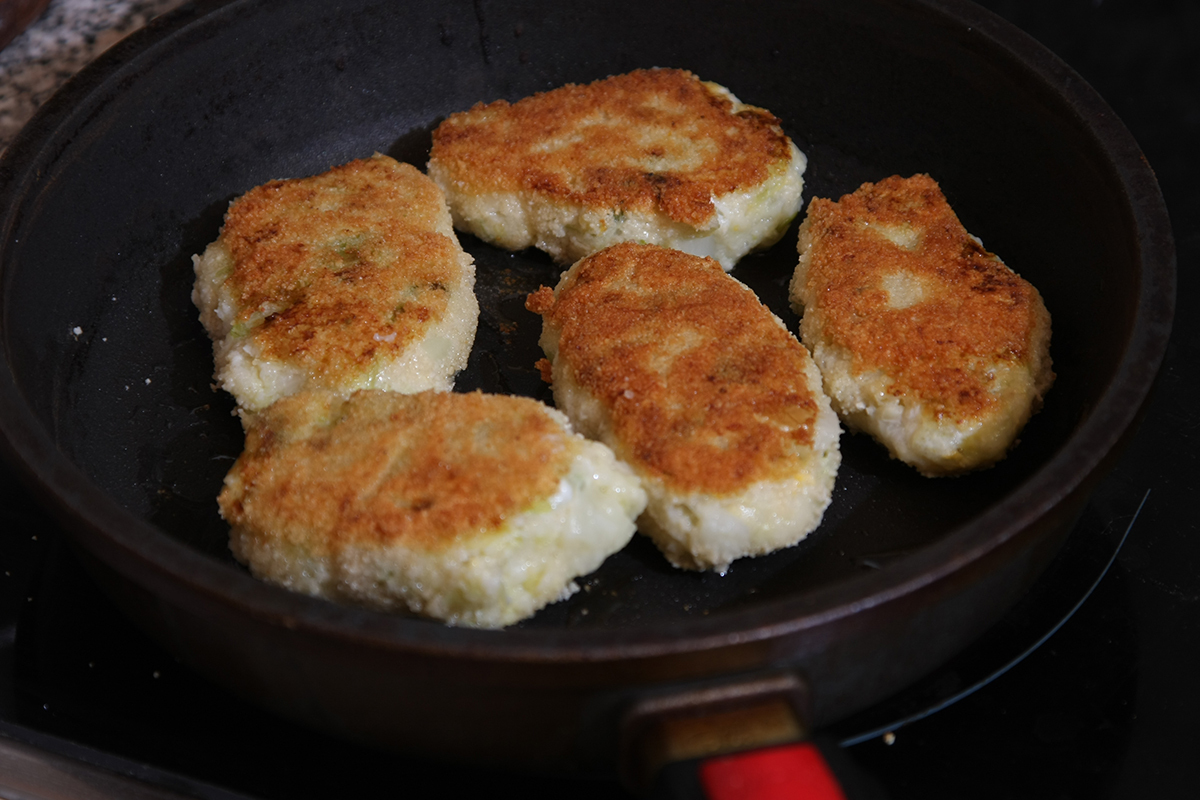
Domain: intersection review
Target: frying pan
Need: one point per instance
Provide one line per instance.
(107, 409)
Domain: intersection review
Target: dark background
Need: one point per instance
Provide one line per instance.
(1107, 707)
(1103, 709)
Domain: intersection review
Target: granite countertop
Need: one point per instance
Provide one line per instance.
(57, 45)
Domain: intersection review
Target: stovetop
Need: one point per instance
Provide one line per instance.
(1086, 689)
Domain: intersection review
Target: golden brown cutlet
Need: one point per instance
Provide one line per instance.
(702, 390)
(924, 338)
(474, 509)
(345, 280)
(656, 155)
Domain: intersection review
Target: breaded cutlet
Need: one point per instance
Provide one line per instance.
(656, 156)
(702, 390)
(346, 280)
(925, 339)
(469, 508)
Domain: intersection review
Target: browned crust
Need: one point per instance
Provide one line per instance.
(382, 468)
(977, 313)
(353, 258)
(637, 126)
(710, 420)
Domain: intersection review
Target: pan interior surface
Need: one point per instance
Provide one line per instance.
(108, 356)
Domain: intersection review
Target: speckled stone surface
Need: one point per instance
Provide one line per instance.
(57, 45)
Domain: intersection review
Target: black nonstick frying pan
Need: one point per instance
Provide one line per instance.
(106, 404)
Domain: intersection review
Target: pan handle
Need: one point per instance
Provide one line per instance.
(745, 739)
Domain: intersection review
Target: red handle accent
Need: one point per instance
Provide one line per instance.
(790, 772)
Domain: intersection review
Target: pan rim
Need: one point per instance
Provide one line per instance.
(122, 539)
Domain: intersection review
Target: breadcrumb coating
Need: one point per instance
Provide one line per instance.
(693, 382)
(924, 338)
(475, 509)
(344, 280)
(653, 155)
